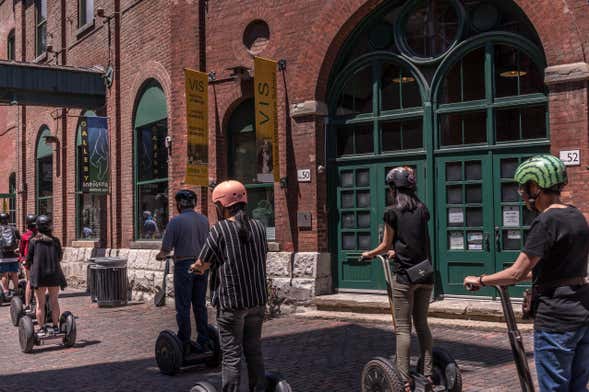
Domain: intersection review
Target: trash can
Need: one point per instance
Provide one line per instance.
(110, 281)
(91, 279)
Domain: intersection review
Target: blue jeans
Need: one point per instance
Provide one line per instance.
(562, 360)
(190, 289)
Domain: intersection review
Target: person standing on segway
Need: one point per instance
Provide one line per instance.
(235, 250)
(46, 276)
(185, 234)
(9, 238)
(407, 241)
(555, 253)
(24, 251)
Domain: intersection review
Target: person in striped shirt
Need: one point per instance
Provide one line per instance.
(235, 251)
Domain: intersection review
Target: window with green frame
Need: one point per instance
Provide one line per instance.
(243, 164)
(151, 163)
(44, 174)
(40, 27)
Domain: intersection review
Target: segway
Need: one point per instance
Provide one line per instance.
(169, 352)
(28, 338)
(381, 374)
(274, 383)
(17, 310)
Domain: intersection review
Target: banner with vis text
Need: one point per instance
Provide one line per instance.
(197, 120)
(95, 154)
(266, 120)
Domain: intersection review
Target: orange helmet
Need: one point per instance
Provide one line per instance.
(229, 193)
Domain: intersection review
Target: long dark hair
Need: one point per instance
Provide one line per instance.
(406, 200)
(239, 212)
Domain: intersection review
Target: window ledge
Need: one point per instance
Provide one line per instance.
(145, 244)
(40, 58)
(83, 29)
(85, 244)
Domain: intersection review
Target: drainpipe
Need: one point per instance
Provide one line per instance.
(117, 131)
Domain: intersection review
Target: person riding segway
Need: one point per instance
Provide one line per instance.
(9, 238)
(554, 257)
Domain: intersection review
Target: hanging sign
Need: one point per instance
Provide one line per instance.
(511, 216)
(456, 240)
(197, 103)
(95, 155)
(266, 120)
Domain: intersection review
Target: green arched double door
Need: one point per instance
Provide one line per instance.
(454, 89)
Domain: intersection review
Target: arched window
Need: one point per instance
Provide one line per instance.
(90, 207)
(151, 163)
(11, 46)
(44, 174)
(243, 164)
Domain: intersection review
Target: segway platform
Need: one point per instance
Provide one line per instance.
(28, 338)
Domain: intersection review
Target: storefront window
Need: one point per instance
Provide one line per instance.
(44, 171)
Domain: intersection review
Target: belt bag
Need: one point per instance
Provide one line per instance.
(421, 273)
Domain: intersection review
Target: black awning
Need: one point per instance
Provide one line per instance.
(51, 85)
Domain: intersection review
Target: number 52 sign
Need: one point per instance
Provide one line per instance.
(571, 157)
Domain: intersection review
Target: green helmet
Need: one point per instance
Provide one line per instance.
(545, 170)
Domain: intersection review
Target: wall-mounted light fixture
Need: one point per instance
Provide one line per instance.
(51, 139)
(404, 80)
(240, 72)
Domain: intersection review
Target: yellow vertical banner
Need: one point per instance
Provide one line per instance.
(197, 119)
(268, 168)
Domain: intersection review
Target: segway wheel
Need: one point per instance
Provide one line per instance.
(26, 334)
(380, 374)
(445, 370)
(215, 340)
(203, 386)
(275, 382)
(67, 325)
(16, 310)
(168, 352)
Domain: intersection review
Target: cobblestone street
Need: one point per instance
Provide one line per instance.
(114, 352)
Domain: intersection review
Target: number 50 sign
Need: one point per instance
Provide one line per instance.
(571, 157)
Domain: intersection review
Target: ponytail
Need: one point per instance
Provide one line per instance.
(242, 221)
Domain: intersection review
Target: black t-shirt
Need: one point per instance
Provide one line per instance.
(560, 237)
(410, 241)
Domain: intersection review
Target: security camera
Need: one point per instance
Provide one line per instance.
(100, 12)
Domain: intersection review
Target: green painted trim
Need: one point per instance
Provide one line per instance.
(151, 107)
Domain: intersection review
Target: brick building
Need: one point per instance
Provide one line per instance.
(462, 90)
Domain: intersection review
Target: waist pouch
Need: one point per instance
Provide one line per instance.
(420, 273)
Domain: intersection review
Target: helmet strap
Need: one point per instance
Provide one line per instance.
(533, 198)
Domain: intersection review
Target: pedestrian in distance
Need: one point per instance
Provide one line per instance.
(9, 238)
(554, 258)
(185, 235)
(235, 251)
(24, 251)
(46, 276)
(407, 242)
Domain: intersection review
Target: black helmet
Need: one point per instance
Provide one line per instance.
(186, 199)
(30, 220)
(4, 218)
(401, 177)
(43, 223)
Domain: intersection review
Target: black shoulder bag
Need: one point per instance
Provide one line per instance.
(423, 271)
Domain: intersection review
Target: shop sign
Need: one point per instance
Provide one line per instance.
(197, 104)
(95, 154)
(266, 120)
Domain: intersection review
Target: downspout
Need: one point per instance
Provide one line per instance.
(64, 135)
(117, 130)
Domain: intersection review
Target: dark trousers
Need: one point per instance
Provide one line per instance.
(241, 331)
(190, 289)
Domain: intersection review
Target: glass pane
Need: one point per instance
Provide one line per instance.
(473, 75)
(391, 86)
(152, 154)
(534, 122)
(347, 199)
(397, 135)
(362, 178)
(412, 134)
(41, 38)
(455, 217)
(45, 207)
(454, 194)
(431, 27)
(364, 241)
(474, 217)
(508, 167)
(450, 129)
(533, 80)
(363, 219)
(348, 220)
(45, 176)
(348, 241)
(364, 140)
(475, 127)
(450, 91)
(456, 240)
(474, 194)
(411, 93)
(473, 170)
(509, 192)
(152, 210)
(474, 240)
(356, 96)
(91, 216)
(347, 178)
(507, 124)
(454, 171)
(391, 136)
(261, 207)
(511, 239)
(529, 216)
(363, 199)
(506, 71)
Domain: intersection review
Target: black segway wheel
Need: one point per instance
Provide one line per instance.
(445, 371)
(215, 341)
(67, 325)
(380, 375)
(168, 352)
(26, 334)
(275, 382)
(17, 310)
(203, 386)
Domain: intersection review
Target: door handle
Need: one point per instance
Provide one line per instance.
(497, 239)
(486, 242)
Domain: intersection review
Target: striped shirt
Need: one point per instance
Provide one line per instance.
(238, 269)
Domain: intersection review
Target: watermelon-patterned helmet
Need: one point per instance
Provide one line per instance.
(545, 170)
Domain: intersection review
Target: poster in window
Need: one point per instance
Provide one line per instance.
(266, 120)
(95, 154)
(197, 103)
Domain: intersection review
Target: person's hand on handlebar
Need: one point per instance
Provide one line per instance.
(473, 283)
(161, 255)
(366, 256)
(198, 267)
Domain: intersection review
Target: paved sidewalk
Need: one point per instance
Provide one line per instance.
(114, 352)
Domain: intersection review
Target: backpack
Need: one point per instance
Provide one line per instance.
(7, 238)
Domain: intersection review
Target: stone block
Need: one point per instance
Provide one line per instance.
(278, 264)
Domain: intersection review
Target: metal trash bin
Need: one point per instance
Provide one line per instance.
(91, 279)
(110, 281)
